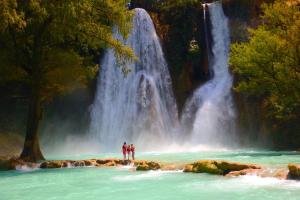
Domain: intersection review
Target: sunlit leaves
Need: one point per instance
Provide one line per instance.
(53, 40)
(268, 64)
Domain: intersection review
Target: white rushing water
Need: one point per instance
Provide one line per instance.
(138, 108)
(211, 109)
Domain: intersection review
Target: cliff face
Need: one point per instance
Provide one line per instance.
(181, 28)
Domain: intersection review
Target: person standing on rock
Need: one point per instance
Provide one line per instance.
(128, 151)
(132, 151)
(124, 149)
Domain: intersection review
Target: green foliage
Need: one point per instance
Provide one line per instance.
(268, 65)
(182, 19)
(48, 43)
(168, 5)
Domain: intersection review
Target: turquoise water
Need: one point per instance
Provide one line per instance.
(263, 157)
(124, 183)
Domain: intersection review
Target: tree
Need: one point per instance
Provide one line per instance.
(49, 47)
(268, 65)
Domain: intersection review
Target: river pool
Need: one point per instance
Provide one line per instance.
(123, 183)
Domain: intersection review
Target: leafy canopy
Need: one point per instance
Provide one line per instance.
(53, 44)
(268, 64)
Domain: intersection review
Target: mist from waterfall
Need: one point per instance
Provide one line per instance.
(210, 111)
(139, 108)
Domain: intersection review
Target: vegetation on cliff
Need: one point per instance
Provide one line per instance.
(268, 67)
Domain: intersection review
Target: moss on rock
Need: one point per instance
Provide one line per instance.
(146, 165)
(217, 167)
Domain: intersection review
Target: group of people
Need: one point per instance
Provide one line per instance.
(127, 150)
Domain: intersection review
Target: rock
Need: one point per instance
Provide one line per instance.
(79, 163)
(89, 162)
(53, 164)
(294, 171)
(153, 165)
(110, 164)
(188, 168)
(123, 162)
(111, 161)
(206, 166)
(217, 167)
(101, 162)
(6, 164)
(146, 165)
(142, 167)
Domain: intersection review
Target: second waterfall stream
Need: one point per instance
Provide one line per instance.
(210, 113)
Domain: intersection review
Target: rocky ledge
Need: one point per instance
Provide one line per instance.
(218, 167)
(140, 165)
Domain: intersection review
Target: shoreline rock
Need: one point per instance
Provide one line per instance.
(139, 164)
(217, 167)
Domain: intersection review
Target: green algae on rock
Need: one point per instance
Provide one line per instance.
(217, 167)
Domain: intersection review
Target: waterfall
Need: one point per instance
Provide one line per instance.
(138, 108)
(211, 107)
(206, 38)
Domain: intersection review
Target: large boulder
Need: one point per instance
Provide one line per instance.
(294, 171)
(217, 167)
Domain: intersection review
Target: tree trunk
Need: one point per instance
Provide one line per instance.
(31, 150)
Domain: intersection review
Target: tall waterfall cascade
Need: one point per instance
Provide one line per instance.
(210, 110)
(140, 107)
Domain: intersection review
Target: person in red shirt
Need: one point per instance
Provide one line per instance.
(132, 151)
(128, 151)
(124, 149)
